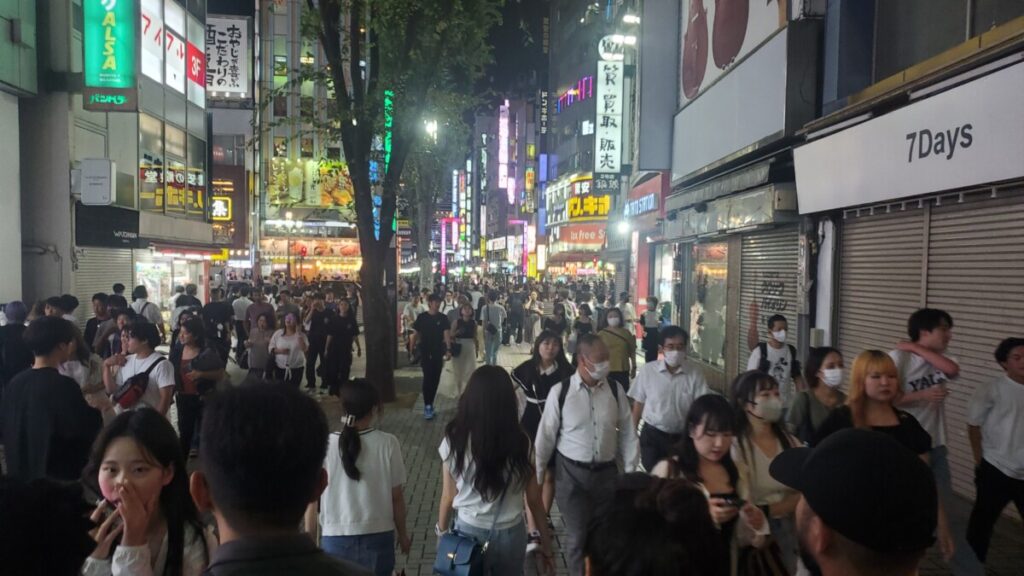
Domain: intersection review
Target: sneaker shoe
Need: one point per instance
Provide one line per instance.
(533, 543)
(428, 412)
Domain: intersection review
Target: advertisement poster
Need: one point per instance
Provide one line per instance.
(226, 49)
(108, 46)
(309, 183)
(716, 34)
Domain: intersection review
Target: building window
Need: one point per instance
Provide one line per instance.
(151, 164)
(912, 31)
(991, 13)
(709, 267)
(195, 193)
(177, 178)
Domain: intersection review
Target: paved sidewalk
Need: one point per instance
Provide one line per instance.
(421, 438)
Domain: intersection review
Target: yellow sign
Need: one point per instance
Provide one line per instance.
(220, 208)
(588, 208)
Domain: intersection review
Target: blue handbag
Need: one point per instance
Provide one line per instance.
(460, 554)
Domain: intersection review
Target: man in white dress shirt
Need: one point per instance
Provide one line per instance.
(663, 392)
(589, 432)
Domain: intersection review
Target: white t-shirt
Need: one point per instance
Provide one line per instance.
(295, 358)
(998, 408)
(161, 377)
(472, 508)
(780, 366)
(355, 507)
(917, 374)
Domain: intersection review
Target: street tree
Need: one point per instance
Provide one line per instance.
(388, 64)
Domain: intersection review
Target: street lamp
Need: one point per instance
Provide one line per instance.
(431, 127)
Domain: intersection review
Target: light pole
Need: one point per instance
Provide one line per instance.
(289, 224)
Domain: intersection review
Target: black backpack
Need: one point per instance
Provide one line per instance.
(565, 392)
(765, 366)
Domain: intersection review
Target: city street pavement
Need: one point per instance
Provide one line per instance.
(420, 440)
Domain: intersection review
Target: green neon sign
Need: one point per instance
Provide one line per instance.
(109, 43)
(389, 122)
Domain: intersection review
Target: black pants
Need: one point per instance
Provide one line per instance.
(655, 445)
(240, 335)
(317, 345)
(190, 417)
(294, 378)
(222, 347)
(432, 365)
(337, 370)
(995, 491)
(622, 378)
(515, 327)
(650, 344)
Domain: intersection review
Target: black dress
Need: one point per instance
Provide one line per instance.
(536, 387)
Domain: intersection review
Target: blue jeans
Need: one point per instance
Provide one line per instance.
(491, 344)
(506, 552)
(375, 552)
(964, 562)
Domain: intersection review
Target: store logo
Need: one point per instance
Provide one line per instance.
(126, 235)
(112, 99)
(642, 205)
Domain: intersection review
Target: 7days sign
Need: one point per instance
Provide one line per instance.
(109, 48)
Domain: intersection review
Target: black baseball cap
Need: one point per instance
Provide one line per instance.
(866, 486)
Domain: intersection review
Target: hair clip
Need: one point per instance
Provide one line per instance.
(349, 421)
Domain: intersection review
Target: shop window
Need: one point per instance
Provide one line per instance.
(280, 106)
(280, 147)
(195, 192)
(911, 31)
(991, 13)
(709, 266)
(151, 164)
(175, 146)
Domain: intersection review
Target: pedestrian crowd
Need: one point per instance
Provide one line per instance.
(653, 471)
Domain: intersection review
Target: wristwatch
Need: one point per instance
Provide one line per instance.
(437, 530)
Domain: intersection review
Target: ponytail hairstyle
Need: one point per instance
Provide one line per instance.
(358, 399)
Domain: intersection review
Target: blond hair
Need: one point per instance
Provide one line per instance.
(867, 362)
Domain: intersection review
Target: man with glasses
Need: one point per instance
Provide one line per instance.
(662, 394)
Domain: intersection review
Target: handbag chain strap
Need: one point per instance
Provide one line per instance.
(497, 514)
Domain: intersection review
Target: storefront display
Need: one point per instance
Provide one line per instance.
(707, 306)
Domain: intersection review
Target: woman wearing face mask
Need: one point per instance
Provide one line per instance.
(467, 334)
(760, 437)
(811, 407)
(363, 508)
(703, 457)
(621, 348)
(874, 388)
(533, 379)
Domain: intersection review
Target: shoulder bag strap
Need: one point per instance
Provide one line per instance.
(153, 365)
(497, 514)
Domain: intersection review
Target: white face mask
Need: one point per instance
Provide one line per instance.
(614, 321)
(779, 336)
(599, 370)
(769, 409)
(832, 377)
(672, 358)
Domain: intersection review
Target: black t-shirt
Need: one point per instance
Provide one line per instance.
(464, 329)
(909, 431)
(218, 318)
(431, 329)
(343, 330)
(15, 356)
(187, 300)
(46, 425)
(319, 321)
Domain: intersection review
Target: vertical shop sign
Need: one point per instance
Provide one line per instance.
(503, 146)
(108, 46)
(608, 140)
(226, 49)
(195, 70)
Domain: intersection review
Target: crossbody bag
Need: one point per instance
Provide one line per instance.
(460, 554)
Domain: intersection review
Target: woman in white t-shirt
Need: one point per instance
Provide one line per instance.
(143, 338)
(488, 466)
(363, 506)
(289, 345)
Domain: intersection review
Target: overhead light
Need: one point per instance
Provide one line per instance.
(623, 227)
(631, 19)
(629, 40)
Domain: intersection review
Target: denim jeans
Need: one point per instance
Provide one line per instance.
(506, 552)
(374, 552)
(491, 344)
(964, 561)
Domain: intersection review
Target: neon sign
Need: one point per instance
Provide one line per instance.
(584, 90)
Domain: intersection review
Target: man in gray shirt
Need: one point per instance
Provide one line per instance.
(492, 317)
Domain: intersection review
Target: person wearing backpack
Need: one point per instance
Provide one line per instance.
(143, 377)
(588, 430)
(147, 310)
(776, 358)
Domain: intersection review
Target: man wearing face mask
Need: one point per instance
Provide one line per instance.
(777, 358)
(587, 428)
(662, 395)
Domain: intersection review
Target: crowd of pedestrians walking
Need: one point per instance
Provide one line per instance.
(652, 470)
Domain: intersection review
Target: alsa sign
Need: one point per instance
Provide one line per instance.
(108, 54)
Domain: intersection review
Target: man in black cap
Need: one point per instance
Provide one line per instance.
(869, 505)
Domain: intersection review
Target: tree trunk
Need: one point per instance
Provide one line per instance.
(378, 318)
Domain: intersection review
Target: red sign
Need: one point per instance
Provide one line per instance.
(195, 66)
(577, 234)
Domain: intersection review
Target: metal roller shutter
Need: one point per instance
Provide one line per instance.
(880, 278)
(98, 270)
(959, 254)
(768, 272)
(976, 273)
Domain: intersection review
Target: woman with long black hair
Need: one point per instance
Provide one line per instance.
(533, 379)
(147, 521)
(364, 503)
(487, 468)
(197, 369)
(703, 457)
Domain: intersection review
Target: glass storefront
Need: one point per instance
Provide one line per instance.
(706, 304)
